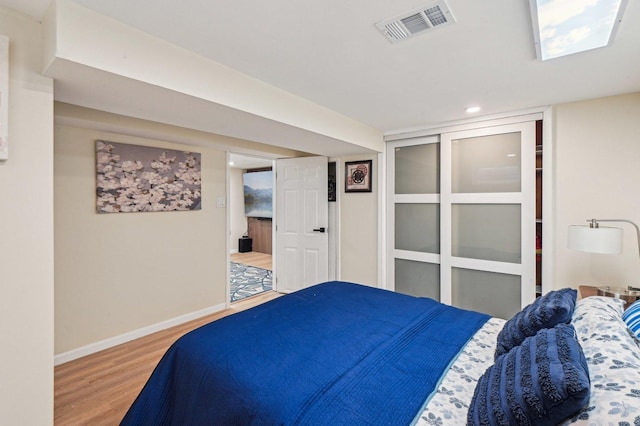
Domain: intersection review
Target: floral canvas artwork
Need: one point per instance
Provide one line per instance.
(133, 178)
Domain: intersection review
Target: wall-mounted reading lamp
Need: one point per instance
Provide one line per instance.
(594, 238)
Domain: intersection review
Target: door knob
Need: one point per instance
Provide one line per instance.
(321, 230)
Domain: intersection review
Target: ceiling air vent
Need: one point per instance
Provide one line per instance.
(417, 21)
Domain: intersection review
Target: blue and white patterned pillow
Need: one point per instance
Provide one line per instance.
(631, 317)
(613, 357)
(612, 354)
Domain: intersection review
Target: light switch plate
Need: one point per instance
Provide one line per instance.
(221, 202)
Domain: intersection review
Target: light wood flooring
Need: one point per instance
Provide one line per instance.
(99, 388)
(253, 258)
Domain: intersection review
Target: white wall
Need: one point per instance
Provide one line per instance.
(119, 275)
(89, 45)
(359, 229)
(237, 219)
(120, 272)
(597, 175)
(26, 233)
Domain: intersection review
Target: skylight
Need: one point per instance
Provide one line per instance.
(564, 27)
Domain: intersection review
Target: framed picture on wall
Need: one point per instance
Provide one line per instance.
(358, 176)
(136, 178)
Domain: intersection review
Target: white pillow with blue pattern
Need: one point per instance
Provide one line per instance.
(613, 356)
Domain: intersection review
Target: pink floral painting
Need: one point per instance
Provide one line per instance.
(134, 178)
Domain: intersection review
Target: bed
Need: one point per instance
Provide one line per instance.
(342, 353)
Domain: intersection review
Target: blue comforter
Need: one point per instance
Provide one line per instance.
(335, 353)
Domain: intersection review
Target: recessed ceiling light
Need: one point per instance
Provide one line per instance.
(231, 163)
(563, 27)
(473, 109)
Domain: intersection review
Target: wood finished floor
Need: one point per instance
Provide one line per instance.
(253, 258)
(98, 389)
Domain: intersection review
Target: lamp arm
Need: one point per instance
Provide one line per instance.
(621, 220)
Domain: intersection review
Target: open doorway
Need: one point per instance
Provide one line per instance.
(252, 237)
(250, 226)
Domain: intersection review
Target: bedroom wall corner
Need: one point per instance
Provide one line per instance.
(597, 147)
(26, 232)
(359, 228)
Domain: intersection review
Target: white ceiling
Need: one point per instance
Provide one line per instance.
(248, 162)
(331, 53)
(33, 8)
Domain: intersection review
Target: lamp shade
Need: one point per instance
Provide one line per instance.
(604, 239)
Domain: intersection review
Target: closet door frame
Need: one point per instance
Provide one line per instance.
(525, 198)
(392, 252)
(477, 128)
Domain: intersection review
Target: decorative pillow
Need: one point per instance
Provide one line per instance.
(555, 307)
(613, 357)
(543, 381)
(631, 317)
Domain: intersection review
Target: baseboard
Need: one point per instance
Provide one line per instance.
(132, 335)
(233, 251)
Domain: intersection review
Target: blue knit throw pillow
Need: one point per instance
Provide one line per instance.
(555, 307)
(541, 382)
(631, 317)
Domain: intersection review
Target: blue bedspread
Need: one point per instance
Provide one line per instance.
(335, 353)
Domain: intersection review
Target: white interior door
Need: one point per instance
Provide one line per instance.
(301, 223)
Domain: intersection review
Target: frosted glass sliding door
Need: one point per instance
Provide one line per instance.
(417, 168)
(462, 217)
(417, 227)
(417, 278)
(486, 164)
(414, 212)
(490, 292)
(487, 231)
(488, 218)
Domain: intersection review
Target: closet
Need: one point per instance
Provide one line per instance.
(462, 215)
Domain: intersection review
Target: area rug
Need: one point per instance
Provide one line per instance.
(248, 281)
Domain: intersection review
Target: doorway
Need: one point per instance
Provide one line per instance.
(250, 229)
(252, 240)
